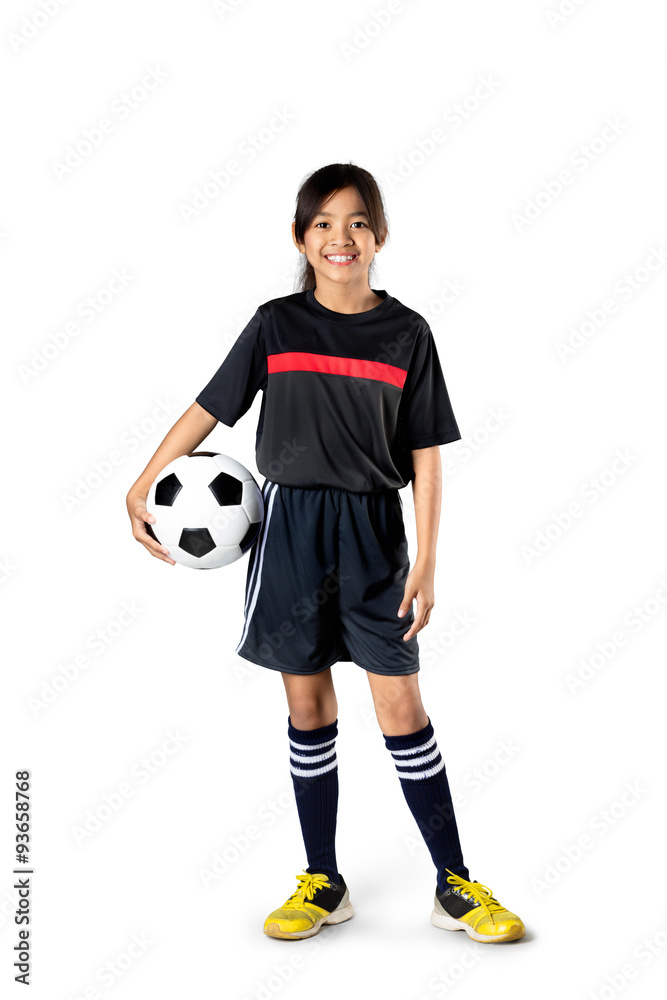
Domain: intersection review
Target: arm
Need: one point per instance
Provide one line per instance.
(427, 493)
(184, 437)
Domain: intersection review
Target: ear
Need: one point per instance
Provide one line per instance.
(300, 246)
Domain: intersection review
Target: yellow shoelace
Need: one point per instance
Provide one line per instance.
(308, 886)
(479, 893)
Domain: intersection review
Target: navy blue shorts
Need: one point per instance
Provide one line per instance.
(326, 577)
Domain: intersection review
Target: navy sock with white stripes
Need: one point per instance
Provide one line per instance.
(314, 769)
(423, 777)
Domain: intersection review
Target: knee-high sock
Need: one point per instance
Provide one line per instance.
(314, 769)
(423, 777)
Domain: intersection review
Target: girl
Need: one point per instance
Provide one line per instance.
(354, 407)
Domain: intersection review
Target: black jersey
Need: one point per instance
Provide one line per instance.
(346, 396)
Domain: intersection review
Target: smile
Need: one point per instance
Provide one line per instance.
(339, 258)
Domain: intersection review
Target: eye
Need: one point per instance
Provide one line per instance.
(358, 223)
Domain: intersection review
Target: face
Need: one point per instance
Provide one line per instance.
(341, 230)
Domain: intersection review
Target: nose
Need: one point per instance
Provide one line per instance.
(340, 238)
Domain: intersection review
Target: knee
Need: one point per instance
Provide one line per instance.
(311, 713)
(402, 718)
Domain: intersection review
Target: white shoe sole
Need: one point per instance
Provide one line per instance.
(441, 919)
(338, 915)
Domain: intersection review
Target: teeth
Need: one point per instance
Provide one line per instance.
(340, 257)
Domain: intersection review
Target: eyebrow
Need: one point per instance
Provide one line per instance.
(349, 215)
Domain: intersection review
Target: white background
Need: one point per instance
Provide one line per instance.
(374, 95)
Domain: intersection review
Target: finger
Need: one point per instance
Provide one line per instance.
(142, 535)
(404, 606)
(162, 554)
(153, 546)
(143, 515)
(414, 628)
(422, 618)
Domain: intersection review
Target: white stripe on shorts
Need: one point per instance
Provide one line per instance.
(256, 580)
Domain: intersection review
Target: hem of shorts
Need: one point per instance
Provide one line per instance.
(388, 673)
(286, 670)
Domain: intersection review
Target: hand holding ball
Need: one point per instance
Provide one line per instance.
(208, 510)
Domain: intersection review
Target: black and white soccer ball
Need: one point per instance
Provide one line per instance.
(208, 510)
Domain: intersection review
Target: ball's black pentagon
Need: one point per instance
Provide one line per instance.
(250, 536)
(196, 542)
(167, 490)
(227, 490)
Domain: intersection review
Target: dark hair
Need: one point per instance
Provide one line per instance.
(314, 191)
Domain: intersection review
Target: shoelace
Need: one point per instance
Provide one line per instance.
(480, 893)
(308, 886)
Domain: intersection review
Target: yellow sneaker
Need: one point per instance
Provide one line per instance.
(316, 901)
(471, 907)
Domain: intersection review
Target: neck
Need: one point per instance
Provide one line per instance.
(344, 299)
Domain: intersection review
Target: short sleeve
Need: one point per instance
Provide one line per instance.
(231, 391)
(425, 410)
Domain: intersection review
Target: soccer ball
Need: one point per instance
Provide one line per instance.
(208, 510)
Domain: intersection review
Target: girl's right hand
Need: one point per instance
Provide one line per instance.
(139, 516)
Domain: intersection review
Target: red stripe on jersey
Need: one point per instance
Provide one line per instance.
(291, 361)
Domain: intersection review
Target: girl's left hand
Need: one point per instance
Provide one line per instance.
(419, 587)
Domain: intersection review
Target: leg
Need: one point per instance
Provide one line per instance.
(312, 727)
(311, 699)
(398, 703)
(410, 738)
